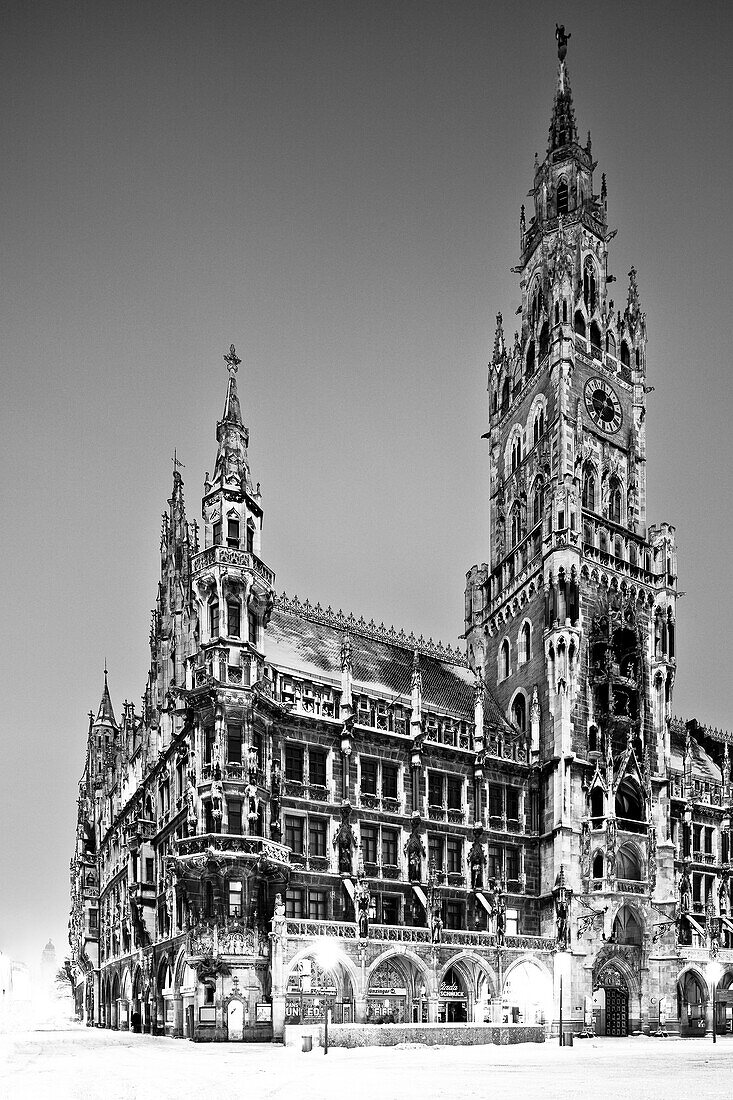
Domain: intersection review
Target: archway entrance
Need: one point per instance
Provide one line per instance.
(527, 995)
(612, 1000)
(691, 1004)
(235, 1021)
(312, 988)
(452, 998)
(396, 994)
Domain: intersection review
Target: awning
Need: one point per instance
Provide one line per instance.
(698, 927)
(484, 901)
(421, 894)
(727, 922)
(348, 887)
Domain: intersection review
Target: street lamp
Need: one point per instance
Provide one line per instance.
(714, 972)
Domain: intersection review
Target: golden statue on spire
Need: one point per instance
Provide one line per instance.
(562, 40)
(232, 361)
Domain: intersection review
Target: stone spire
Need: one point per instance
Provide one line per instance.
(563, 128)
(232, 466)
(105, 714)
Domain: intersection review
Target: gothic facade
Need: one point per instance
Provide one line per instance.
(313, 811)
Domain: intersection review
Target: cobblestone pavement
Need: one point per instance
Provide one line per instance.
(91, 1064)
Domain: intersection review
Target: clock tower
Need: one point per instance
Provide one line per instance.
(573, 617)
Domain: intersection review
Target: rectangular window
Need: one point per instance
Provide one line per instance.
(708, 840)
(233, 617)
(234, 743)
(454, 914)
(216, 532)
(455, 856)
(317, 767)
(496, 800)
(209, 817)
(149, 869)
(390, 909)
(368, 776)
(235, 899)
(233, 533)
(316, 836)
(512, 803)
(389, 848)
(252, 627)
(93, 920)
(208, 744)
(389, 781)
(512, 864)
(455, 793)
(294, 763)
(696, 887)
(256, 743)
(494, 863)
(435, 789)
(317, 905)
(724, 846)
(369, 843)
(250, 538)
(235, 816)
(294, 904)
(294, 834)
(697, 838)
(435, 850)
(214, 618)
(512, 922)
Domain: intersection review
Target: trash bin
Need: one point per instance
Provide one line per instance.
(307, 1043)
(568, 1038)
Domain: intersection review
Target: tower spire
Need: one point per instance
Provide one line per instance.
(563, 128)
(233, 438)
(105, 712)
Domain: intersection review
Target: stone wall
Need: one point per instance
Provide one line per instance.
(389, 1035)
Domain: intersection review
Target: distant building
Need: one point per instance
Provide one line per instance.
(311, 810)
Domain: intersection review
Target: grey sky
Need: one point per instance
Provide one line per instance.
(335, 187)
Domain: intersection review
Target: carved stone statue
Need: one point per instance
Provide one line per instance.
(585, 849)
(363, 899)
(436, 926)
(500, 919)
(562, 41)
(345, 841)
(415, 850)
(611, 833)
(191, 804)
(562, 920)
(477, 858)
(217, 797)
(685, 891)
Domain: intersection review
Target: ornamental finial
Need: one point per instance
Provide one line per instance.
(562, 40)
(232, 361)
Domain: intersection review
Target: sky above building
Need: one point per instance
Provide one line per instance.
(335, 188)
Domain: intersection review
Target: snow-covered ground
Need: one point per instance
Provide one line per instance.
(90, 1064)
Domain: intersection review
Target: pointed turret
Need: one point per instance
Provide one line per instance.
(232, 465)
(563, 127)
(105, 714)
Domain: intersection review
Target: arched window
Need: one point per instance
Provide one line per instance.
(233, 618)
(587, 534)
(538, 429)
(598, 865)
(562, 197)
(595, 340)
(625, 354)
(504, 660)
(519, 713)
(544, 340)
(516, 523)
(610, 343)
(589, 489)
(214, 618)
(516, 453)
(538, 503)
(596, 803)
(614, 500)
(526, 642)
(505, 395)
(627, 864)
(589, 287)
(530, 359)
(250, 537)
(629, 803)
(626, 927)
(579, 323)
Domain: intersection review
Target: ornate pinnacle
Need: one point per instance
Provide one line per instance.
(562, 40)
(232, 361)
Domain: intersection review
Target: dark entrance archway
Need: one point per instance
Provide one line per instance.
(612, 999)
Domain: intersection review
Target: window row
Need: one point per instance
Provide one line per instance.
(233, 529)
(235, 745)
(232, 628)
(524, 650)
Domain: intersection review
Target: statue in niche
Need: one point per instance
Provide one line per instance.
(415, 850)
(477, 858)
(363, 900)
(345, 841)
(436, 926)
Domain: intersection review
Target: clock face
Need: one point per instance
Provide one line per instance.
(603, 405)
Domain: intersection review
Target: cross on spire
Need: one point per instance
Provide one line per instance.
(232, 361)
(177, 464)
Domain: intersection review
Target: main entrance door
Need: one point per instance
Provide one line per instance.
(617, 1012)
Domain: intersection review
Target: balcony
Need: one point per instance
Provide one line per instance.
(307, 929)
(227, 555)
(248, 847)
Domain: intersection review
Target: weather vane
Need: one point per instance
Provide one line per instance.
(232, 361)
(177, 462)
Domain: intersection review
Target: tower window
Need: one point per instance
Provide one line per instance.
(250, 537)
(538, 505)
(516, 453)
(614, 502)
(526, 643)
(516, 523)
(579, 323)
(519, 713)
(610, 343)
(216, 533)
(595, 340)
(252, 627)
(562, 197)
(544, 341)
(233, 618)
(530, 359)
(589, 490)
(233, 533)
(504, 660)
(625, 354)
(214, 618)
(589, 288)
(538, 429)
(505, 395)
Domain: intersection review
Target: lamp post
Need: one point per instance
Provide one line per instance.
(714, 971)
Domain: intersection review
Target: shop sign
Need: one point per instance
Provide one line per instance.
(450, 992)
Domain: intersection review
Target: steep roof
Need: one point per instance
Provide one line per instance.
(308, 643)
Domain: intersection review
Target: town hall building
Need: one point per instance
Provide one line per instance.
(312, 813)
